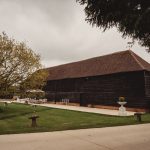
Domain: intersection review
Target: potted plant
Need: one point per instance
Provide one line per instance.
(122, 101)
(122, 109)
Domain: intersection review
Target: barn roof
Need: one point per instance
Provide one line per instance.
(124, 61)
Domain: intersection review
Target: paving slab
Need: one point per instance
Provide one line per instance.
(82, 109)
(111, 138)
(87, 109)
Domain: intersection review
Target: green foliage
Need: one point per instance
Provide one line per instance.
(18, 63)
(33, 95)
(35, 81)
(131, 17)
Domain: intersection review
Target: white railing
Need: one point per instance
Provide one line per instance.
(65, 101)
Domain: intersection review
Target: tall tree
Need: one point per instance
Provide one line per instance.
(131, 17)
(35, 81)
(17, 64)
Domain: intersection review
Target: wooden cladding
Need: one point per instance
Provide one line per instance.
(103, 90)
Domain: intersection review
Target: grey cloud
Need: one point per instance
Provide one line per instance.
(57, 30)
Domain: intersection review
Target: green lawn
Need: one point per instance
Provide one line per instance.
(14, 119)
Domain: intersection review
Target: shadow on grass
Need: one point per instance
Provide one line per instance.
(20, 114)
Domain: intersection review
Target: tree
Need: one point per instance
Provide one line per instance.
(35, 81)
(131, 17)
(17, 64)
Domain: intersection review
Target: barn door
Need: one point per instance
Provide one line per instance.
(83, 101)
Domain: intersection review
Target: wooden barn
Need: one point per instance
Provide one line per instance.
(99, 81)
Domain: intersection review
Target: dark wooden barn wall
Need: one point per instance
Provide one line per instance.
(101, 90)
(147, 88)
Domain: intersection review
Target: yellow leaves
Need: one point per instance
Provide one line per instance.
(36, 80)
(18, 63)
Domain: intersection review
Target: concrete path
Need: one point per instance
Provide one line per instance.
(86, 109)
(82, 109)
(135, 137)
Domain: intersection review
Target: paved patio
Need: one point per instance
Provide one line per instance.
(111, 138)
(83, 109)
(86, 109)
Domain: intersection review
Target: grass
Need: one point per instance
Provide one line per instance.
(14, 119)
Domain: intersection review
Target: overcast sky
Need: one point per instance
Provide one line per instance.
(56, 29)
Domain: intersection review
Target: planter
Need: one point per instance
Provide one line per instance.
(122, 109)
(122, 103)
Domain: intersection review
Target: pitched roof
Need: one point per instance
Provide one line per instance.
(124, 61)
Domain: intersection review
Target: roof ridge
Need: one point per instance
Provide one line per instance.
(91, 58)
(139, 63)
(104, 65)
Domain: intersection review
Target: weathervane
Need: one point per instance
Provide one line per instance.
(130, 44)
